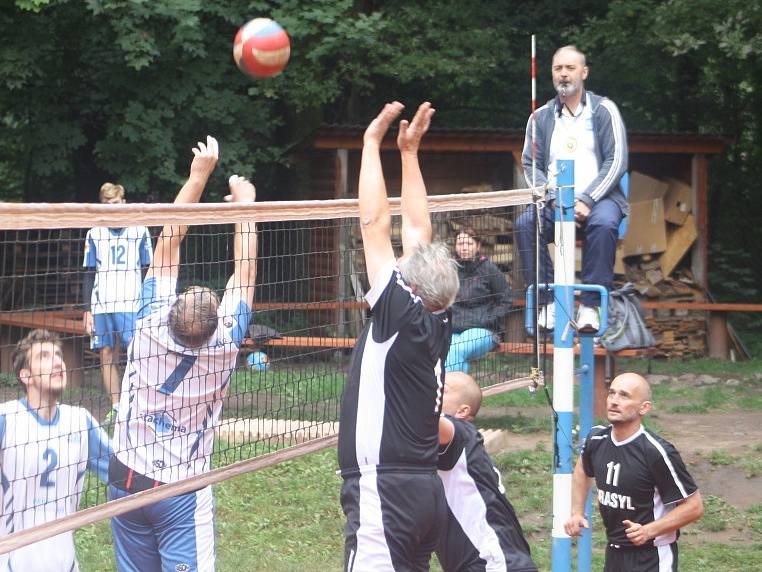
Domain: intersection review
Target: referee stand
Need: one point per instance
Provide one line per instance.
(564, 372)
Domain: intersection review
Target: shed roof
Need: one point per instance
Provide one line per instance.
(510, 140)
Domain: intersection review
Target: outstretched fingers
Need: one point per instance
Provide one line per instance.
(241, 190)
(380, 125)
(205, 156)
(411, 133)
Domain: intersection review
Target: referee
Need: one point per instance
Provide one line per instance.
(392, 497)
(645, 493)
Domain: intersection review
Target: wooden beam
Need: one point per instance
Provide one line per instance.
(708, 306)
(512, 140)
(700, 253)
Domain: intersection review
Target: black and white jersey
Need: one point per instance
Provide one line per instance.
(483, 532)
(638, 479)
(393, 395)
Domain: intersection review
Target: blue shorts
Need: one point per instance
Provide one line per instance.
(172, 535)
(108, 326)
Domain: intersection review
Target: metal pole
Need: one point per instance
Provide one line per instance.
(563, 364)
(586, 398)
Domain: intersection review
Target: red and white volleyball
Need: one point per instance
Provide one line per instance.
(261, 48)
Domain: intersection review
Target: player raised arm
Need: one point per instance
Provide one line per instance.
(166, 258)
(375, 220)
(416, 223)
(244, 243)
(581, 484)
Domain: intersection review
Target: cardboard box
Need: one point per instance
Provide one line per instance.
(680, 241)
(646, 231)
(678, 201)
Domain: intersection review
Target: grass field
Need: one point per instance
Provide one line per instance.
(288, 518)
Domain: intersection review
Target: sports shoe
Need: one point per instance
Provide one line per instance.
(588, 319)
(546, 320)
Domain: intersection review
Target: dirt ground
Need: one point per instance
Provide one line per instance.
(735, 433)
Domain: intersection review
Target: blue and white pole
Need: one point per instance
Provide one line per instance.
(586, 398)
(563, 363)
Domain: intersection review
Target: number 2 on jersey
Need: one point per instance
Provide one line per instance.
(52, 458)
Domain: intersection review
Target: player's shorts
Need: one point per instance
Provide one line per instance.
(171, 535)
(643, 559)
(110, 325)
(54, 554)
(393, 520)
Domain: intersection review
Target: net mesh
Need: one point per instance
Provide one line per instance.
(286, 382)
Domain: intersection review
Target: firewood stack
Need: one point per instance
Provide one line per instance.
(655, 255)
(679, 333)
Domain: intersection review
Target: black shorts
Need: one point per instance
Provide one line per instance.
(393, 520)
(644, 559)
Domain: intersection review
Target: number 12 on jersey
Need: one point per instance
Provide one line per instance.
(117, 254)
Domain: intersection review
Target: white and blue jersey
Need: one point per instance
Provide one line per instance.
(172, 395)
(118, 256)
(42, 467)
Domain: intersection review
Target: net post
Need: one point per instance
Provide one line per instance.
(586, 398)
(563, 364)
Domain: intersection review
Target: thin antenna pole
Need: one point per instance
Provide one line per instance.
(537, 210)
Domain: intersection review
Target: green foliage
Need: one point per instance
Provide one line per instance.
(308, 394)
(710, 366)
(721, 458)
(123, 90)
(516, 423)
(754, 514)
(693, 66)
(8, 380)
(719, 515)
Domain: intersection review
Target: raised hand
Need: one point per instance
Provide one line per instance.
(375, 132)
(411, 132)
(241, 190)
(205, 156)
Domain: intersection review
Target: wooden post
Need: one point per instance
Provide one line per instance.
(700, 254)
(601, 388)
(343, 270)
(718, 335)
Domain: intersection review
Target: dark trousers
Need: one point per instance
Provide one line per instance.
(393, 521)
(599, 233)
(642, 559)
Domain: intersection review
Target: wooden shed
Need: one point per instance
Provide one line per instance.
(490, 159)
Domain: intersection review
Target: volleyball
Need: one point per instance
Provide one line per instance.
(261, 48)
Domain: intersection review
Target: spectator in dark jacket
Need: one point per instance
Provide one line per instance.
(482, 303)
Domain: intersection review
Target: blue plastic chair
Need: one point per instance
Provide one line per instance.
(625, 184)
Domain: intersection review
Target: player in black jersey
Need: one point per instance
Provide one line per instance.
(645, 493)
(388, 439)
(482, 532)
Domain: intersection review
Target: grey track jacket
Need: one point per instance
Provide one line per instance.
(610, 148)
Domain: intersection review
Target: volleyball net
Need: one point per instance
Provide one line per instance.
(283, 395)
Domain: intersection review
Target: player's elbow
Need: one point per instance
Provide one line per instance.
(698, 509)
(375, 220)
(374, 227)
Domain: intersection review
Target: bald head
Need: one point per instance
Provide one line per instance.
(572, 51)
(635, 384)
(629, 399)
(462, 395)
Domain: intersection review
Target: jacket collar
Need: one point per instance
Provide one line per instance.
(558, 106)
